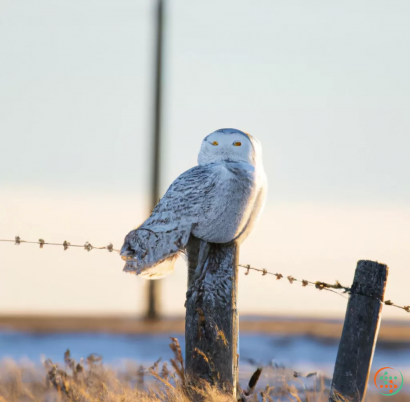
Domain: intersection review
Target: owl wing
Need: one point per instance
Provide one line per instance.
(152, 249)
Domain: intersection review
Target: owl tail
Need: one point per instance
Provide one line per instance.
(152, 254)
(158, 271)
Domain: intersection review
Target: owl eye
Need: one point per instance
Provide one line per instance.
(237, 143)
(215, 143)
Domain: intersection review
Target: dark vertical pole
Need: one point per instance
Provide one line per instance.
(211, 323)
(153, 286)
(360, 330)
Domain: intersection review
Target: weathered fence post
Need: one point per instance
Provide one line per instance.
(211, 324)
(361, 326)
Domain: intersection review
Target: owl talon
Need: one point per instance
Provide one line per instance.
(200, 276)
(200, 269)
(198, 272)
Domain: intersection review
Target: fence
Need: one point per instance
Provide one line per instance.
(211, 330)
(336, 287)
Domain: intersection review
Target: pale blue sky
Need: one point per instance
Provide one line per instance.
(324, 85)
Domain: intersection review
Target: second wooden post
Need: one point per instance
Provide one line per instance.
(362, 321)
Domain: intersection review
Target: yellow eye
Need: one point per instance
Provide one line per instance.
(237, 143)
(215, 143)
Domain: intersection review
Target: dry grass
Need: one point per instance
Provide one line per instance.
(91, 381)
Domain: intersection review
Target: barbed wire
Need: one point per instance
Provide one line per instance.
(87, 246)
(337, 287)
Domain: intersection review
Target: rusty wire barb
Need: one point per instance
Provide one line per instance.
(390, 303)
(334, 288)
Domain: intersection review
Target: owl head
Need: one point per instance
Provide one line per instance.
(230, 145)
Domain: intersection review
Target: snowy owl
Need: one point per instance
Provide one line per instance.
(217, 201)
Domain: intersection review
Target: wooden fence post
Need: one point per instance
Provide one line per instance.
(359, 336)
(211, 323)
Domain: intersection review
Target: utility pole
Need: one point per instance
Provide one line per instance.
(154, 286)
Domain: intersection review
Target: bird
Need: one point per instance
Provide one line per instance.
(217, 201)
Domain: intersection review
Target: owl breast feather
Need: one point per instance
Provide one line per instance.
(230, 205)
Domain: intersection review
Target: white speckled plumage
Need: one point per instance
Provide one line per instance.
(218, 201)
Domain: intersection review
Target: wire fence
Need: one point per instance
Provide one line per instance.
(337, 287)
(87, 246)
